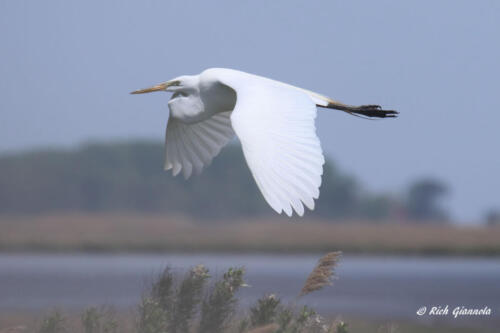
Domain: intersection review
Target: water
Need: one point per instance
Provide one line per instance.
(385, 288)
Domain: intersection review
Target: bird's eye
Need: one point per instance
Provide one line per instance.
(179, 94)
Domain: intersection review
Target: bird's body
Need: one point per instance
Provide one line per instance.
(273, 120)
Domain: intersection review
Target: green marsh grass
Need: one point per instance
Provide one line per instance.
(194, 303)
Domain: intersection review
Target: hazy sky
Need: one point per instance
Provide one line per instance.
(66, 68)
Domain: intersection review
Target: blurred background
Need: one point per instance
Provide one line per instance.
(412, 202)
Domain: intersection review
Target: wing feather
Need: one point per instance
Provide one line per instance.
(191, 147)
(275, 124)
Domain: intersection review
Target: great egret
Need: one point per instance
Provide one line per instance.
(273, 120)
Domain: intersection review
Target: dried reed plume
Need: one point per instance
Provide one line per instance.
(322, 274)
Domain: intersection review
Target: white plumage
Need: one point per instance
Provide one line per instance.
(190, 147)
(273, 120)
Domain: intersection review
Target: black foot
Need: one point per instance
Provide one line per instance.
(374, 111)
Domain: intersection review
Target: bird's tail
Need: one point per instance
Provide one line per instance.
(372, 111)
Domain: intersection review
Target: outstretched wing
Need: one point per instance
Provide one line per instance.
(275, 124)
(190, 147)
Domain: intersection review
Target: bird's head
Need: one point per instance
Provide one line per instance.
(181, 83)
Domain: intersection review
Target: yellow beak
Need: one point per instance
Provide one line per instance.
(159, 87)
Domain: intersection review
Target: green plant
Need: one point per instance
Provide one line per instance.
(96, 320)
(341, 327)
(302, 320)
(152, 318)
(53, 323)
(161, 290)
(186, 305)
(265, 311)
(284, 320)
(91, 320)
(219, 306)
(187, 299)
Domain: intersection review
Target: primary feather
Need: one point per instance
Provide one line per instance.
(275, 125)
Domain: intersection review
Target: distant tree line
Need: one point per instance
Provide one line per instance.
(129, 177)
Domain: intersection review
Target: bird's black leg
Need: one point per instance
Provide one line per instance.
(369, 110)
(374, 111)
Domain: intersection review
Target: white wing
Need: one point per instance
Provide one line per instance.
(190, 147)
(275, 124)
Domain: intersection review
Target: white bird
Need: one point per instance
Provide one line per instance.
(273, 120)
